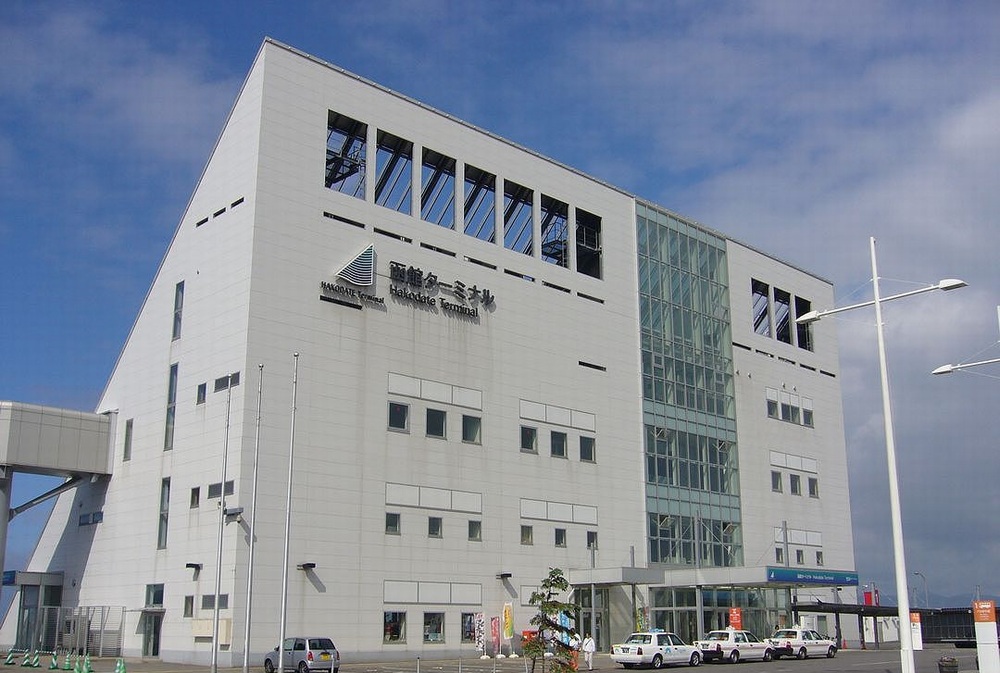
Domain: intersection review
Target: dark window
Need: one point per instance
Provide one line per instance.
(776, 481)
(527, 535)
(195, 497)
(437, 192)
(346, 145)
(560, 537)
(127, 451)
(168, 432)
(475, 530)
(202, 393)
(782, 316)
(395, 627)
(517, 217)
(555, 231)
(761, 306)
(795, 484)
(472, 429)
(436, 423)
(529, 439)
(803, 331)
(591, 539)
(434, 526)
(161, 533)
(587, 453)
(178, 309)
(398, 416)
(393, 172)
(588, 243)
(392, 523)
(480, 203)
(558, 444)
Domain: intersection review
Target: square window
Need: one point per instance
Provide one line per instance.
(471, 429)
(475, 530)
(529, 439)
(587, 451)
(436, 423)
(433, 627)
(813, 487)
(527, 535)
(795, 484)
(591, 539)
(399, 416)
(195, 497)
(202, 393)
(154, 596)
(560, 537)
(776, 481)
(392, 523)
(433, 526)
(779, 555)
(395, 627)
(558, 440)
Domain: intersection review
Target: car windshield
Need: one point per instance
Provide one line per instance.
(784, 634)
(321, 644)
(717, 635)
(640, 639)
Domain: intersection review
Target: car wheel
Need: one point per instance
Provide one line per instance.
(268, 666)
(734, 657)
(303, 667)
(768, 654)
(831, 652)
(657, 661)
(802, 653)
(695, 659)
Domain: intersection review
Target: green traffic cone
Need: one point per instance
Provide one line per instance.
(54, 664)
(10, 658)
(35, 661)
(86, 664)
(27, 659)
(76, 665)
(66, 665)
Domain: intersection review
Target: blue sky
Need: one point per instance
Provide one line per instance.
(801, 128)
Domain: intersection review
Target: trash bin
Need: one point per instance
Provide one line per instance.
(947, 665)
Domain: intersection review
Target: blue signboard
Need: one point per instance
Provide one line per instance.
(838, 578)
(9, 577)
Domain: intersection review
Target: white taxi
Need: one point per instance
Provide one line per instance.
(733, 645)
(801, 643)
(655, 649)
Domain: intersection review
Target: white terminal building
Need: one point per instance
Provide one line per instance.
(432, 364)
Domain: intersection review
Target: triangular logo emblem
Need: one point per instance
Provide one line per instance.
(361, 269)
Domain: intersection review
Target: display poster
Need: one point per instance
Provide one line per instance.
(495, 633)
(736, 618)
(481, 632)
(984, 617)
(916, 631)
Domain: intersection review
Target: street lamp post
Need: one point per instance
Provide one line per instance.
(948, 369)
(903, 599)
(919, 574)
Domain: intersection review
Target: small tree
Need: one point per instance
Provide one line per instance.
(551, 632)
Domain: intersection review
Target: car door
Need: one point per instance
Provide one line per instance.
(678, 649)
(753, 647)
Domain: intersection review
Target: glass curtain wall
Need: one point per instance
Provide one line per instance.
(692, 471)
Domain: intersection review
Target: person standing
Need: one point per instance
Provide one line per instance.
(589, 647)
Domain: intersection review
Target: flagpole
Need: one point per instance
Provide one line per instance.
(222, 526)
(253, 522)
(288, 519)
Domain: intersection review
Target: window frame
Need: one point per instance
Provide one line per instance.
(532, 432)
(391, 529)
(527, 535)
(430, 620)
(795, 484)
(563, 452)
(475, 530)
(394, 627)
(441, 422)
(560, 537)
(592, 450)
(777, 482)
(405, 408)
(435, 527)
(475, 437)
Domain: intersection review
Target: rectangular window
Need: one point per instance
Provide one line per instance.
(800, 557)
(168, 432)
(776, 481)
(154, 596)
(527, 535)
(795, 484)
(195, 497)
(761, 307)
(127, 450)
(782, 316)
(529, 439)
(558, 440)
(471, 429)
(475, 530)
(779, 555)
(399, 415)
(517, 217)
(587, 449)
(588, 243)
(392, 523)
(807, 412)
(560, 537)
(178, 309)
(189, 606)
(215, 490)
(346, 146)
(813, 483)
(436, 423)
(591, 539)
(803, 331)
(468, 627)
(202, 393)
(395, 627)
(433, 627)
(772, 402)
(437, 191)
(819, 558)
(555, 231)
(161, 532)
(434, 526)
(227, 381)
(480, 203)
(393, 172)
(208, 602)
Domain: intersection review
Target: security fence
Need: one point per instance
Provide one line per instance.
(95, 630)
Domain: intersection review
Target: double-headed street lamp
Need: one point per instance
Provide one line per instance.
(905, 636)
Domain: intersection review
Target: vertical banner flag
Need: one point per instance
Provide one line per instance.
(736, 618)
(508, 621)
(495, 633)
(984, 619)
(564, 622)
(916, 632)
(480, 632)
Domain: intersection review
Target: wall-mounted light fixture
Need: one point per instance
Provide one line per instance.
(306, 566)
